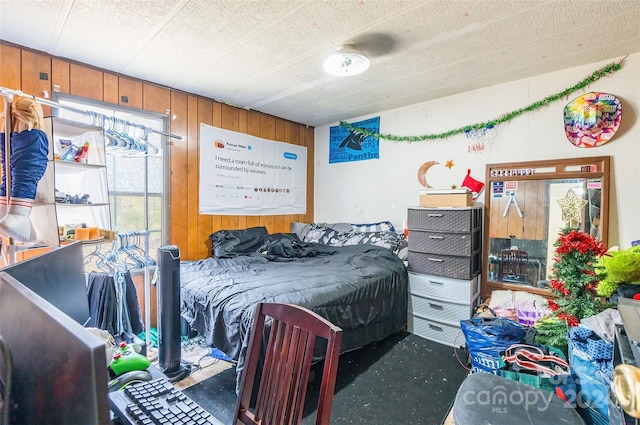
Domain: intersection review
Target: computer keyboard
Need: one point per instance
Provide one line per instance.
(159, 402)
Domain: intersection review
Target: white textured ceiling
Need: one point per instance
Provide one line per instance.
(267, 55)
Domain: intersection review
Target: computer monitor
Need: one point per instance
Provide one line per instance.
(58, 276)
(59, 368)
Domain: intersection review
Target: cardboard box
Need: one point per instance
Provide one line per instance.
(431, 200)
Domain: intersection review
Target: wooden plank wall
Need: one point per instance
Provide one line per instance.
(532, 198)
(21, 69)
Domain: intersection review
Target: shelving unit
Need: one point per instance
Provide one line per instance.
(72, 179)
(444, 261)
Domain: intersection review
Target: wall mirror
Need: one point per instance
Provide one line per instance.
(527, 204)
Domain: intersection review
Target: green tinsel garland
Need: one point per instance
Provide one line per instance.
(596, 75)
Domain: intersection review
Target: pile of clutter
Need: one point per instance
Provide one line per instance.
(63, 198)
(67, 151)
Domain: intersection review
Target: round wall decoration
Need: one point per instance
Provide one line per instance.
(592, 119)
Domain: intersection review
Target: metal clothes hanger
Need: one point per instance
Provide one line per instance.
(124, 247)
(114, 259)
(101, 261)
(140, 253)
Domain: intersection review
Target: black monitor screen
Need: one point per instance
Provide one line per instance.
(58, 277)
(59, 368)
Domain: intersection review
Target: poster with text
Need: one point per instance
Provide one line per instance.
(347, 146)
(242, 174)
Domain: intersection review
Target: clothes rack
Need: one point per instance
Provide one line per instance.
(119, 260)
(8, 94)
(147, 285)
(11, 249)
(107, 123)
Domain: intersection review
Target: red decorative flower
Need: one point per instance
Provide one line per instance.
(581, 242)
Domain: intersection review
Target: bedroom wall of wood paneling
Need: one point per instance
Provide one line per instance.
(21, 68)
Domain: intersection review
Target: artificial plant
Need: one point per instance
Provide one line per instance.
(574, 283)
(621, 266)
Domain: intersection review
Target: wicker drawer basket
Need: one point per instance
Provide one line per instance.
(445, 220)
(443, 265)
(444, 243)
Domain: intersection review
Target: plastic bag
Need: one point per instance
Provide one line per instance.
(501, 302)
(530, 307)
(541, 367)
(591, 360)
(486, 339)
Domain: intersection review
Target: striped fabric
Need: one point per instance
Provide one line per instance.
(382, 226)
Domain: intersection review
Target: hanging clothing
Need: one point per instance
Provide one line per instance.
(29, 150)
(133, 305)
(113, 303)
(101, 292)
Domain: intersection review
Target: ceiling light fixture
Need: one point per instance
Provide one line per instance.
(346, 62)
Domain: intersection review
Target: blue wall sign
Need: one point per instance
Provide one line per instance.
(347, 146)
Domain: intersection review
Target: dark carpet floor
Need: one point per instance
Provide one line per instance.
(403, 380)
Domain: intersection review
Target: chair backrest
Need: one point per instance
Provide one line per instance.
(286, 368)
(513, 264)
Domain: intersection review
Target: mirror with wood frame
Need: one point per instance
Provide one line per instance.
(527, 204)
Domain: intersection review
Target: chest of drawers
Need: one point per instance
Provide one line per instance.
(445, 241)
(444, 261)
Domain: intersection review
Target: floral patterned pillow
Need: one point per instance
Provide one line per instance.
(387, 240)
(314, 232)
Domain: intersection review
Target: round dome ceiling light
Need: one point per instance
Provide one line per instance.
(346, 62)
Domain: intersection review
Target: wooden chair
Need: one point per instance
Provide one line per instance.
(287, 363)
(513, 265)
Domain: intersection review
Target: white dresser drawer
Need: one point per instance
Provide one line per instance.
(461, 291)
(441, 310)
(444, 333)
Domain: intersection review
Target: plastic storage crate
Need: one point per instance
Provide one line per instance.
(444, 333)
(428, 285)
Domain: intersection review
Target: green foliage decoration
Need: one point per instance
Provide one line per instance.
(621, 266)
(607, 288)
(594, 76)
